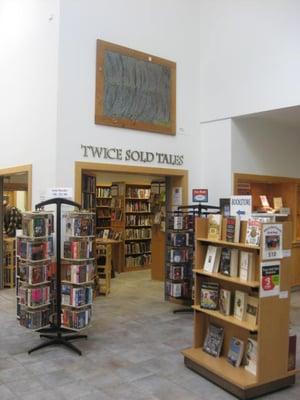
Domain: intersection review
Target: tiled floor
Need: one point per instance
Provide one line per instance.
(133, 352)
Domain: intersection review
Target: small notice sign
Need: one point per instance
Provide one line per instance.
(200, 195)
(61, 192)
(269, 278)
(241, 206)
(272, 241)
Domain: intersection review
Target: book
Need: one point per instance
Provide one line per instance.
(225, 301)
(240, 304)
(213, 341)
(224, 267)
(253, 232)
(209, 295)
(264, 201)
(233, 224)
(251, 356)
(176, 272)
(179, 239)
(224, 205)
(212, 259)
(214, 226)
(277, 203)
(235, 352)
(178, 222)
(252, 310)
(234, 262)
(247, 266)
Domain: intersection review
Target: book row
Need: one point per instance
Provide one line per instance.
(34, 249)
(116, 202)
(180, 222)
(33, 274)
(104, 202)
(140, 220)
(109, 234)
(79, 224)
(79, 249)
(103, 223)
(88, 201)
(137, 247)
(76, 319)
(237, 303)
(76, 296)
(34, 297)
(78, 273)
(103, 213)
(132, 205)
(138, 261)
(144, 233)
(180, 239)
(238, 353)
(138, 193)
(180, 289)
(34, 319)
(231, 262)
(180, 255)
(37, 224)
(178, 272)
(103, 192)
(116, 214)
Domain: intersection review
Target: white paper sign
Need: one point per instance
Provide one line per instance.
(272, 241)
(61, 192)
(286, 253)
(177, 196)
(241, 206)
(284, 294)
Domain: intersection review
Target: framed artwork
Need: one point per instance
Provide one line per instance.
(134, 90)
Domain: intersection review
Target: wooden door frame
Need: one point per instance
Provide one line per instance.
(81, 166)
(21, 169)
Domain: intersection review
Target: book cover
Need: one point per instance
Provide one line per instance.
(178, 222)
(270, 278)
(234, 262)
(224, 267)
(39, 226)
(209, 295)
(177, 272)
(213, 340)
(225, 301)
(253, 232)
(235, 352)
(252, 310)
(277, 203)
(244, 265)
(179, 239)
(210, 258)
(240, 304)
(214, 226)
(251, 356)
(225, 207)
(230, 228)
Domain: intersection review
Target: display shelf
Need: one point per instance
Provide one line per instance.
(229, 319)
(270, 329)
(77, 283)
(221, 277)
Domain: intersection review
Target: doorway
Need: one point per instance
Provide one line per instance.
(138, 176)
(16, 192)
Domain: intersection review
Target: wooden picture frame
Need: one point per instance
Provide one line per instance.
(134, 90)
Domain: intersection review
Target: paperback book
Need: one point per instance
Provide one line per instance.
(235, 352)
(209, 295)
(213, 340)
(252, 310)
(212, 259)
(251, 356)
(253, 232)
(233, 229)
(247, 266)
(225, 301)
(240, 304)
(214, 226)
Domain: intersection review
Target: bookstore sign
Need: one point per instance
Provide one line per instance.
(147, 157)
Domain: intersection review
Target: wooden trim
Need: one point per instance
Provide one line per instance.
(100, 118)
(130, 169)
(261, 178)
(27, 168)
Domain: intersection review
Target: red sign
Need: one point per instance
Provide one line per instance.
(200, 195)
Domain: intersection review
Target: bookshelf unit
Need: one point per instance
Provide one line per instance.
(103, 207)
(138, 222)
(88, 194)
(78, 270)
(179, 258)
(9, 270)
(271, 330)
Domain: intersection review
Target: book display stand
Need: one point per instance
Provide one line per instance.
(81, 233)
(258, 317)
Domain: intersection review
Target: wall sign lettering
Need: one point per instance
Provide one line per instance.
(113, 153)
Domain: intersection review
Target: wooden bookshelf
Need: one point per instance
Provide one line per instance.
(88, 191)
(103, 207)
(271, 330)
(9, 271)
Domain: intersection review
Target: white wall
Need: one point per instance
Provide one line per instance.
(250, 56)
(168, 29)
(215, 159)
(265, 148)
(28, 87)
